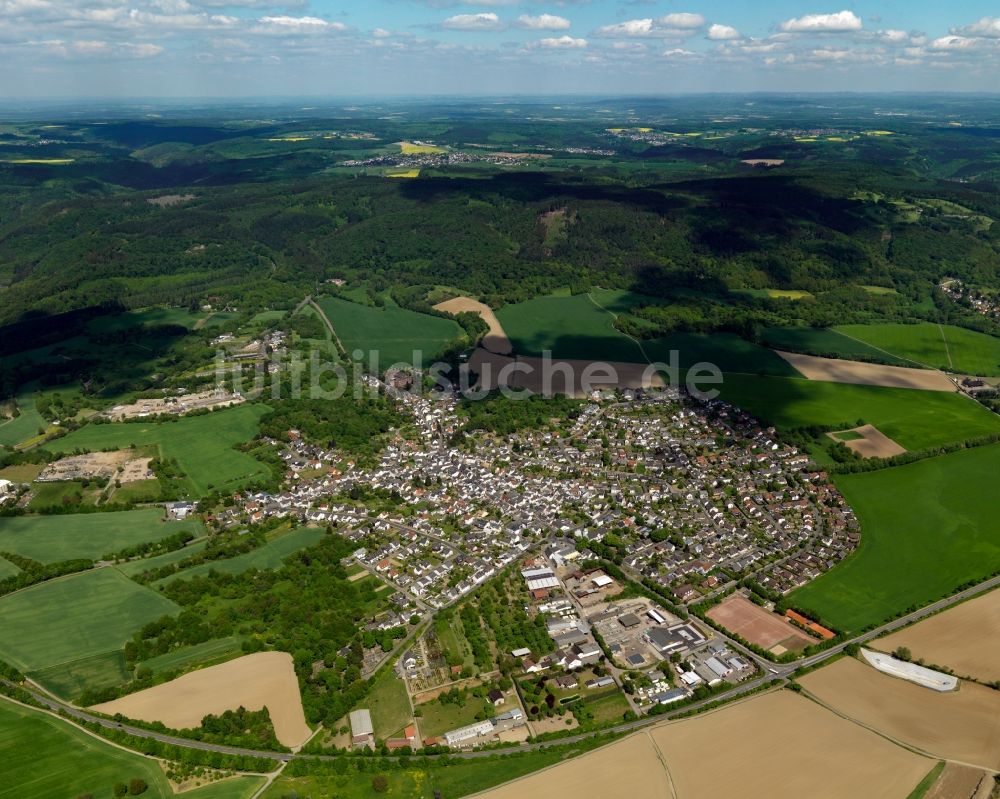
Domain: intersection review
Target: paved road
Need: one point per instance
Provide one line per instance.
(772, 672)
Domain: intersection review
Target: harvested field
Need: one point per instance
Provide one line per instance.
(265, 679)
(962, 638)
(958, 782)
(99, 464)
(869, 442)
(961, 725)
(490, 367)
(496, 339)
(751, 622)
(783, 746)
(631, 767)
(835, 370)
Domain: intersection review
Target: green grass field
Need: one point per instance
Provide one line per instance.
(7, 569)
(149, 316)
(23, 426)
(214, 651)
(914, 419)
(269, 556)
(75, 617)
(389, 705)
(420, 781)
(86, 535)
(202, 445)
(231, 788)
(46, 758)
(927, 528)
(437, 719)
(939, 346)
(823, 341)
(131, 568)
(71, 679)
(391, 331)
(572, 326)
(47, 495)
(582, 327)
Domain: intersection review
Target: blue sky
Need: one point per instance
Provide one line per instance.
(219, 48)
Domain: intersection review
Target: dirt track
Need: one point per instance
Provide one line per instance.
(782, 746)
(834, 370)
(962, 725)
(266, 679)
(872, 444)
(963, 638)
(496, 339)
(626, 375)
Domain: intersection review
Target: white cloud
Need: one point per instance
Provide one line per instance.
(145, 50)
(894, 36)
(543, 22)
(841, 22)
(953, 42)
(645, 29)
(677, 52)
(381, 33)
(563, 43)
(682, 20)
(723, 33)
(487, 21)
(301, 22)
(987, 28)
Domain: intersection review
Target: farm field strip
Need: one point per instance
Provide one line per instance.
(49, 539)
(269, 556)
(962, 725)
(393, 332)
(834, 370)
(265, 679)
(911, 552)
(496, 339)
(962, 638)
(913, 419)
(74, 617)
(937, 346)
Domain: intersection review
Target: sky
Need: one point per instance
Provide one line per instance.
(353, 48)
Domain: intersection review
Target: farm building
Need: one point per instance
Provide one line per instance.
(362, 731)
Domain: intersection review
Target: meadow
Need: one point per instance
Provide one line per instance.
(202, 445)
(7, 569)
(50, 539)
(269, 556)
(392, 331)
(75, 617)
(826, 342)
(215, 651)
(947, 347)
(914, 419)
(912, 550)
(23, 426)
(389, 705)
(581, 326)
(130, 568)
(46, 758)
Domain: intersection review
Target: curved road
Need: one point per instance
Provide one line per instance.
(772, 671)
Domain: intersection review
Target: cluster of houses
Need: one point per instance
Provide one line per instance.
(691, 491)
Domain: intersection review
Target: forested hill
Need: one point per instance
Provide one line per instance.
(503, 237)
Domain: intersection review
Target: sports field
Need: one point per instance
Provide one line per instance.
(392, 331)
(50, 539)
(268, 556)
(914, 550)
(913, 419)
(45, 758)
(75, 617)
(939, 346)
(202, 445)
